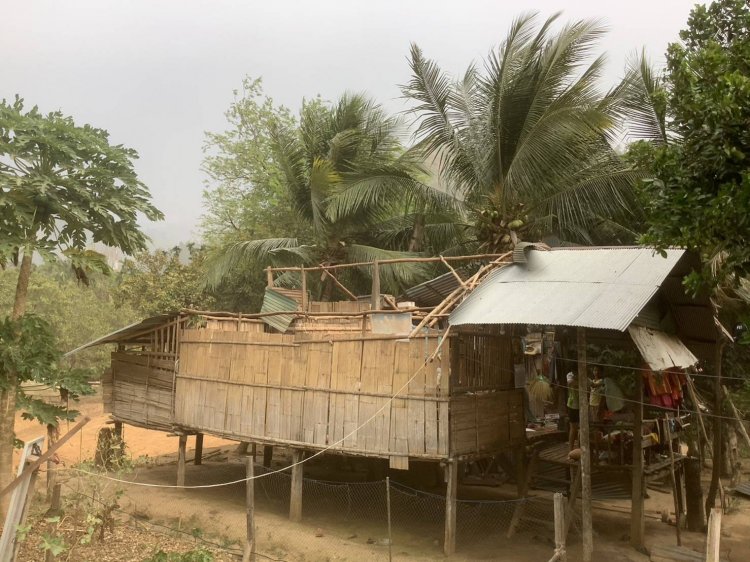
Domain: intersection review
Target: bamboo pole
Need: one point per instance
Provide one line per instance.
(637, 518)
(453, 271)
(375, 293)
(675, 491)
(476, 257)
(43, 458)
(340, 285)
(303, 283)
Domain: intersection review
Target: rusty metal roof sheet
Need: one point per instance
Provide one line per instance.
(660, 350)
(275, 301)
(602, 288)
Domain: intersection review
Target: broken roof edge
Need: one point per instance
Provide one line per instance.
(122, 334)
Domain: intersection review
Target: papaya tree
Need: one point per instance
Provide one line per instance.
(63, 187)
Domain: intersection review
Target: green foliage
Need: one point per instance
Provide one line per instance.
(523, 138)
(77, 314)
(698, 193)
(199, 555)
(29, 349)
(64, 186)
(339, 174)
(161, 281)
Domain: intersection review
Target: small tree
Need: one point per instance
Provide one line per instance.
(62, 187)
(698, 194)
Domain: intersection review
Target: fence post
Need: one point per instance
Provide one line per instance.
(388, 507)
(249, 553)
(560, 550)
(713, 538)
(449, 547)
(295, 496)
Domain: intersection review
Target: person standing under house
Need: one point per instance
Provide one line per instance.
(573, 405)
(597, 402)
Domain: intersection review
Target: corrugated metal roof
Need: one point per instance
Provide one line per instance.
(273, 301)
(661, 351)
(601, 288)
(434, 291)
(133, 333)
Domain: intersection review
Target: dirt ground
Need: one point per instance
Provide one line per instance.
(218, 514)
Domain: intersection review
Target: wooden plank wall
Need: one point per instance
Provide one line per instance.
(141, 388)
(275, 388)
(482, 360)
(486, 421)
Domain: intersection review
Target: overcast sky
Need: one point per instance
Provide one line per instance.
(158, 74)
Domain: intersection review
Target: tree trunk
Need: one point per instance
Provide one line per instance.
(8, 394)
(417, 234)
(716, 460)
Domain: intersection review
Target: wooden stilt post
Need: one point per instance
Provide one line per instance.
(583, 397)
(295, 498)
(303, 283)
(520, 455)
(269, 277)
(696, 515)
(575, 488)
(267, 455)
(253, 450)
(242, 448)
(249, 553)
(637, 513)
(523, 489)
(675, 489)
(449, 546)
(375, 293)
(198, 449)
(181, 446)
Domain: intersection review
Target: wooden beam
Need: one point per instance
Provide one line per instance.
(340, 285)
(637, 517)
(181, 446)
(583, 397)
(449, 545)
(198, 448)
(295, 497)
(303, 284)
(249, 552)
(675, 489)
(269, 277)
(475, 257)
(375, 293)
(696, 515)
(46, 455)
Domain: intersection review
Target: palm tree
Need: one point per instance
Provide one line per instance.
(354, 188)
(526, 140)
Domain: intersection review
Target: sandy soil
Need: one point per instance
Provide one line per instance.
(219, 512)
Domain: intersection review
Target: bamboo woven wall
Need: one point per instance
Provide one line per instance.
(138, 390)
(271, 387)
